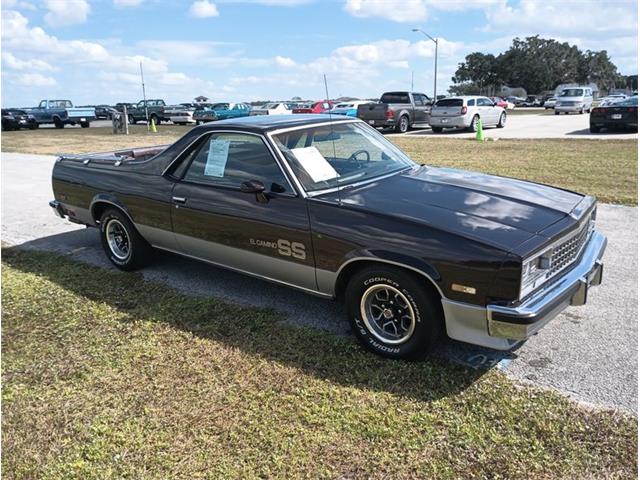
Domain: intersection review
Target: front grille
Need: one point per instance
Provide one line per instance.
(564, 254)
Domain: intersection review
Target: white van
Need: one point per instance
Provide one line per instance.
(574, 99)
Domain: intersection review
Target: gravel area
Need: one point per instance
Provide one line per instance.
(589, 352)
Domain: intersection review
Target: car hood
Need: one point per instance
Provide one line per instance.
(500, 211)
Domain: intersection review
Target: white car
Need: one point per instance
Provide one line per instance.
(550, 103)
(182, 117)
(611, 99)
(464, 112)
(272, 109)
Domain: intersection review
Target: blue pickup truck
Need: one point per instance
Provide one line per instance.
(62, 112)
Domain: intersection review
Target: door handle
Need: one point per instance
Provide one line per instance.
(179, 200)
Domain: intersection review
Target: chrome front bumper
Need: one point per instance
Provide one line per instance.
(501, 327)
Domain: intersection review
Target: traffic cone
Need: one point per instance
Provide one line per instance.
(153, 126)
(479, 131)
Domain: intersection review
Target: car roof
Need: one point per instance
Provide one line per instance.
(265, 123)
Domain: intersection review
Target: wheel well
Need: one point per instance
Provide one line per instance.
(354, 267)
(99, 207)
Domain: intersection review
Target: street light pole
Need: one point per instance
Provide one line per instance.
(435, 67)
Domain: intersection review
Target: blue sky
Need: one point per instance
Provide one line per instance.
(240, 50)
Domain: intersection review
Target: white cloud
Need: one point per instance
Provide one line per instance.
(396, 10)
(203, 9)
(36, 80)
(7, 4)
(127, 3)
(66, 12)
(10, 61)
(285, 61)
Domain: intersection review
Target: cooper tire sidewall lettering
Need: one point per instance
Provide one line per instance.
(416, 310)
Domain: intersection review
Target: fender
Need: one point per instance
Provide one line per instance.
(107, 198)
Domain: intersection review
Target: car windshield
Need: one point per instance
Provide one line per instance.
(449, 102)
(327, 156)
(270, 106)
(572, 92)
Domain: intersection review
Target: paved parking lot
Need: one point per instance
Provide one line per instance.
(534, 125)
(588, 352)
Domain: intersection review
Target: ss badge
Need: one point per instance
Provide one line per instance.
(291, 249)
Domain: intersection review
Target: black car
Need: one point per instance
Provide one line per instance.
(105, 112)
(619, 115)
(15, 119)
(333, 208)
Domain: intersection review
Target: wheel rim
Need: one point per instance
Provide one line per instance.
(403, 124)
(475, 124)
(388, 314)
(503, 119)
(118, 239)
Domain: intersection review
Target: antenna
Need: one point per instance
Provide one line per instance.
(144, 97)
(333, 140)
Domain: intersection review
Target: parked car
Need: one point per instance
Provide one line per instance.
(204, 115)
(105, 112)
(398, 110)
(464, 112)
(549, 103)
(619, 115)
(120, 106)
(577, 99)
(611, 99)
(15, 119)
(517, 101)
(224, 111)
(61, 113)
(501, 102)
(349, 109)
(533, 101)
(182, 117)
(413, 250)
(317, 107)
(154, 109)
(275, 108)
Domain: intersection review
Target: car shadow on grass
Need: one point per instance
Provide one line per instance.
(259, 331)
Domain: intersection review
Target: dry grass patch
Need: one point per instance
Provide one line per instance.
(108, 376)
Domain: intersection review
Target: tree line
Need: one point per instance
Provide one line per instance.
(538, 65)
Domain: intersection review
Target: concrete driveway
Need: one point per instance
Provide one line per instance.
(534, 125)
(589, 353)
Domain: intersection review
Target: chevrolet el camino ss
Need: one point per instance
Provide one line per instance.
(333, 208)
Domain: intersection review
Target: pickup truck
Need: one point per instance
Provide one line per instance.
(61, 113)
(155, 109)
(397, 110)
(333, 208)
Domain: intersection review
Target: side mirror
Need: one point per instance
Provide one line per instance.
(252, 186)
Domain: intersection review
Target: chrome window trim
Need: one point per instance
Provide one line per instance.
(241, 132)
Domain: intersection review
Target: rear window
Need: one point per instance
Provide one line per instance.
(449, 102)
(395, 97)
(629, 102)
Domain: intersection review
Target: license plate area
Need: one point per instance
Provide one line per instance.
(372, 122)
(616, 116)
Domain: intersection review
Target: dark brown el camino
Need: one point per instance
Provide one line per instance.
(332, 208)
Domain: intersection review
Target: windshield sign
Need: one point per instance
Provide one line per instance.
(329, 156)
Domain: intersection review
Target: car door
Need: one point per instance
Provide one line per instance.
(488, 113)
(265, 234)
(419, 113)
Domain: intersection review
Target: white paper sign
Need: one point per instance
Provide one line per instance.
(318, 168)
(217, 158)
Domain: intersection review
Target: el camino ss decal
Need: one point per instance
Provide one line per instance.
(284, 247)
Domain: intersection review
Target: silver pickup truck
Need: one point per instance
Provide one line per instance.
(397, 110)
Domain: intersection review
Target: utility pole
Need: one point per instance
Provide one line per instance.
(144, 97)
(435, 67)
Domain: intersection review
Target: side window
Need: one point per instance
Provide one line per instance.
(471, 103)
(43, 104)
(483, 102)
(417, 100)
(228, 159)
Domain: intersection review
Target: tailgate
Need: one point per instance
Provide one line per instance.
(373, 111)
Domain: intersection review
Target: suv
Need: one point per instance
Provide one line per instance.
(464, 112)
(154, 108)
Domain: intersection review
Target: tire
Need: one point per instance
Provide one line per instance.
(474, 124)
(436, 129)
(502, 121)
(198, 122)
(34, 126)
(403, 124)
(122, 243)
(153, 118)
(557, 113)
(58, 123)
(419, 326)
(594, 129)
(84, 124)
(132, 120)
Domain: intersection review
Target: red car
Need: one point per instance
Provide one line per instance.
(318, 107)
(501, 102)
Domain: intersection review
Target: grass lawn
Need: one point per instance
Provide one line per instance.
(604, 168)
(108, 376)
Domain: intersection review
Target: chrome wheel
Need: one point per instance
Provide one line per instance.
(388, 314)
(118, 239)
